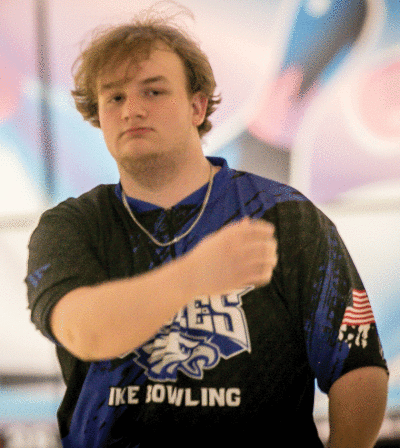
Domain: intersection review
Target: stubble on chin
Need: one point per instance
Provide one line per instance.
(152, 170)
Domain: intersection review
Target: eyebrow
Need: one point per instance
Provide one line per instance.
(121, 82)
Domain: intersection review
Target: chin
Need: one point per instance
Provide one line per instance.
(148, 163)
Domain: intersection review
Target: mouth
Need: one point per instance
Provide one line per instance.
(137, 132)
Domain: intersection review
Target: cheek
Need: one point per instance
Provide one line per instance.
(106, 123)
(176, 113)
(102, 117)
(109, 132)
(165, 110)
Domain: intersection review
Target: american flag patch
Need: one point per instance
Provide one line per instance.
(360, 311)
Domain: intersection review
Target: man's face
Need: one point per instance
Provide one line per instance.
(145, 110)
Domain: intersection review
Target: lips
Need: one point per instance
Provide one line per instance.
(139, 131)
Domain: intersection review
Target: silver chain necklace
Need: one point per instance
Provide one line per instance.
(178, 238)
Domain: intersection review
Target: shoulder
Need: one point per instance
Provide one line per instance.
(288, 206)
(88, 204)
(298, 221)
(273, 190)
(250, 186)
(97, 197)
(84, 215)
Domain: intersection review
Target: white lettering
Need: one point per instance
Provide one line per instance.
(188, 398)
(204, 396)
(174, 395)
(158, 393)
(179, 318)
(233, 397)
(229, 318)
(132, 391)
(199, 315)
(111, 397)
(221, 397)
(216, 396)
(119, 395)
(148, 393)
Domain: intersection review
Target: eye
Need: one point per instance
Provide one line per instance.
(117, 98)
(153, 93)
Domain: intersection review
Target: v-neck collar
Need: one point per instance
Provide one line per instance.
(193, 199)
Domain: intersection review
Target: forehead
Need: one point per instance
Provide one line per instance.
(160, 64)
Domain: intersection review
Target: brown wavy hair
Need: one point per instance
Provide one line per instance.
(135, 41)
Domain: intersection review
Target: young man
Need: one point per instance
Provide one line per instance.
(192, 304)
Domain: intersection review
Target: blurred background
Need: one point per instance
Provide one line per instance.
(311, 97)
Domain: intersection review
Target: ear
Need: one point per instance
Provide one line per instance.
(199, 107)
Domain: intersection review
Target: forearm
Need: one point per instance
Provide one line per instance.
(357, 403)
(110, 319)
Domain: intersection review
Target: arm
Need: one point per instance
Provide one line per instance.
(107, 320)
(357, 403)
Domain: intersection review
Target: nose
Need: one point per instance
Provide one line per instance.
(133, 107)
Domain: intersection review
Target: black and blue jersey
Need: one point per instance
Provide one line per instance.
(225, 367)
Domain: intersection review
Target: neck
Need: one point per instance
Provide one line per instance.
(165, 183)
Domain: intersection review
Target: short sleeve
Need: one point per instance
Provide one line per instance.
(340, 329)
(62, 257)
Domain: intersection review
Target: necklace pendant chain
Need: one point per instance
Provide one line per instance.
(179, 237)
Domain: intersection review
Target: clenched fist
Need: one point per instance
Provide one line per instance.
(237, 255)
